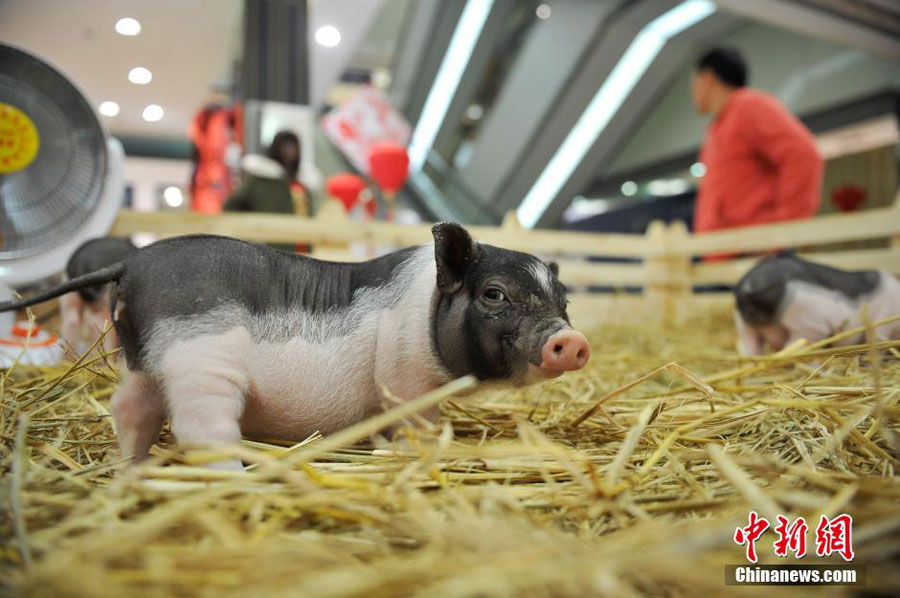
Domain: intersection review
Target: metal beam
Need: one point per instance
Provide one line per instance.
(416, 37)
(602, 61)
(169, 148)
(546, 63)
(473, 75)
(815, 22)
(856, 110)
(275, 65)
(422, 61)
(642, 98)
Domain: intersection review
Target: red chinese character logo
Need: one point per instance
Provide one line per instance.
(750, 534)
(835, 536)
(791, 537)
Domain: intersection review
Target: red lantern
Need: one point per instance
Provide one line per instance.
(346, 187)
(848, 198)
(389, 166)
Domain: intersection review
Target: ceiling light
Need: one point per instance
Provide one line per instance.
(465, 35)
(128, 26)
(140, 76)
(381, 78)
(583, 207)
(543, 11)
(629, 188)
(664, 187)
(173, 197)
(153, 113)
(635, 61)
(474, 112)
(109, 108)
(328, 36)
(698, 169)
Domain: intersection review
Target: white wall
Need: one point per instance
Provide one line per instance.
(148, 176)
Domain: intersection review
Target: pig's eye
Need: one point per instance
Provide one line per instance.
(493, 294)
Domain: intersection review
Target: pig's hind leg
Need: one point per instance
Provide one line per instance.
(71, 309)
(138, 412)
(205, 387)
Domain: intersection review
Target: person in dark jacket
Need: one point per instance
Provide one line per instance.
(270, 182)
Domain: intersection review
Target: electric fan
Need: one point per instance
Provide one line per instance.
(60, 175)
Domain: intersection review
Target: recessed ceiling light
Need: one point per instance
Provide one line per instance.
(381, 78)
(153, 113)
(474, 112)
(128, 26)
(328, 36)
(664, 187)
(109, 108)
(173, 197)
(629, 188)
(543, 11)
(140, 76)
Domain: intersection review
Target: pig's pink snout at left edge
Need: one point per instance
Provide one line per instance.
(566, 351)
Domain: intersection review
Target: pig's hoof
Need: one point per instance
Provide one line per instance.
(226, 465)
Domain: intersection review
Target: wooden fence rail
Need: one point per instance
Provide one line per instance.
(661, 260)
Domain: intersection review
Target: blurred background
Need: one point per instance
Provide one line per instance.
(572, 113)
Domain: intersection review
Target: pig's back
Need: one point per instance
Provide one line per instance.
(761, 293)
(197, 284)
(205, 284)
(192, 275)
(94, 255)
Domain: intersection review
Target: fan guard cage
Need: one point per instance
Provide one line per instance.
(52, 198)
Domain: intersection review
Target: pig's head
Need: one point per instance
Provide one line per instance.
(500, 314)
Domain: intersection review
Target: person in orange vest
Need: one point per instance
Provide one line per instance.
(761, 162)
(215, 131)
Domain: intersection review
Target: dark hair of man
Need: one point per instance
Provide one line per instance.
(727, 64)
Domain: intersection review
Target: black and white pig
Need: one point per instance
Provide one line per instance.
(84, 312)
(225, 337)
(784, 298)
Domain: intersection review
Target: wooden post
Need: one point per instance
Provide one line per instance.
(655, 271)
(681, 285)
(667, 291)
(331, 213)
(511, 222)
(895, 240)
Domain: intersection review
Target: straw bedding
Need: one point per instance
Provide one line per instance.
(627, 479)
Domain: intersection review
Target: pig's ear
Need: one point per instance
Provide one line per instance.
(554, 267)
(454, 253)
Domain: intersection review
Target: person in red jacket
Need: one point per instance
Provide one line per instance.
(762, 165)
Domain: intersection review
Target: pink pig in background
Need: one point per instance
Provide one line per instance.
(784, 298)
(85, 312)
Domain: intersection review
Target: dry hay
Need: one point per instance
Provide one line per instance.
(507, 498)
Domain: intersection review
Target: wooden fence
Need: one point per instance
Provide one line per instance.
(661, 262)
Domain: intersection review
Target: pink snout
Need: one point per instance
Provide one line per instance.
(565, 351)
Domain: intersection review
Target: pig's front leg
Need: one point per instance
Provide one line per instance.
(750, 339)
(205, 382)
